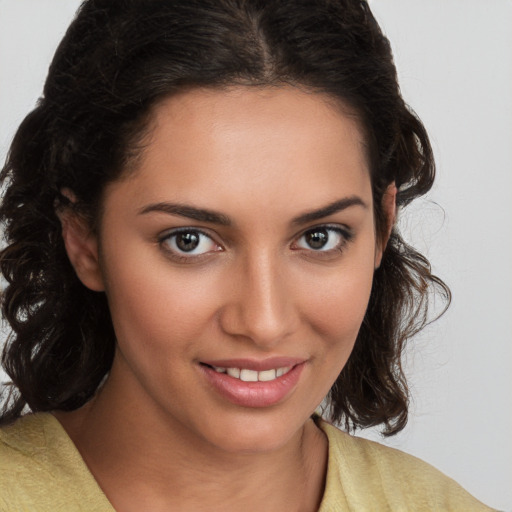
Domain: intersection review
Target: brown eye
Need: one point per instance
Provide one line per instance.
(316, 239)
(324, 239)
(188, 243)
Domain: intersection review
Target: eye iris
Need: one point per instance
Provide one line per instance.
(187, 241)
(317, 239)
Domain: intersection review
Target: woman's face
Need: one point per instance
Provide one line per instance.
(238, 260)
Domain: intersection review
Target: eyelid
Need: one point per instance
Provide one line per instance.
(183, 256)
(340, 228)
(184, 229)
(343, 230)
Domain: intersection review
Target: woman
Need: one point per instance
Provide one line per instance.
(201, 246)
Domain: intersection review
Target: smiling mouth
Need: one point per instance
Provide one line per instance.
(253, 383)
(247, 375)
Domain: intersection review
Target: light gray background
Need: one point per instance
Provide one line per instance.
(455, 67)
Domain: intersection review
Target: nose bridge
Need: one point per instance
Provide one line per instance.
(261, 308)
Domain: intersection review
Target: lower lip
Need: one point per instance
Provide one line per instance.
(253, 394)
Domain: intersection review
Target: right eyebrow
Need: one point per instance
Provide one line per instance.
(190, 212)
(329, 209)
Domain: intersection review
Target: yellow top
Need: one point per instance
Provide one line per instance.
(42, 471)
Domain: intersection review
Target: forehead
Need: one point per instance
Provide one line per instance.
(262, 111)
(209, 146)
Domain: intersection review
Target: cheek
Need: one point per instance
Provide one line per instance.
(154, 307)
(335, 311)
(337, 305)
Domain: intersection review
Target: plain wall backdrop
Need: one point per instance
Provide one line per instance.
(455, 69)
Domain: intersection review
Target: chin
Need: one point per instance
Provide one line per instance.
(254, 432)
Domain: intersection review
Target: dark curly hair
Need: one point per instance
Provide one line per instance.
(117, 59)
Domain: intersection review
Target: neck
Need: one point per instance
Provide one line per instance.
(148, 461)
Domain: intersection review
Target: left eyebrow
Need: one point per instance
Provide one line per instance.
(330, 209)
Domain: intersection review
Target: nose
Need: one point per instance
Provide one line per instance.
(260, 305)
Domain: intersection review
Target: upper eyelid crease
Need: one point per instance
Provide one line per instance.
(185, 256)
(183, 229)
(330, 227)
(345, 232)
(342, 229)
(176, 231)
(213, 217)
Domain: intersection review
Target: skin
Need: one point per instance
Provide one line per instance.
(157, 433)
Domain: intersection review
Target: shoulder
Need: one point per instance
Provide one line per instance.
(367, 474)
(21, 442)
(23, 448)
(40, 469)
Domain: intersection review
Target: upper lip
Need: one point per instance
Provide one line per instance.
(258, 365)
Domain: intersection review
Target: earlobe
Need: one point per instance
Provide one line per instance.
(81, 246)
(389, 212)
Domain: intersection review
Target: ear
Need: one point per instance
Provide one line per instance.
(81, 245)
(389, 213)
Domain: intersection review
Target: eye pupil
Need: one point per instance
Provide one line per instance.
(187, 241)
(317, 239)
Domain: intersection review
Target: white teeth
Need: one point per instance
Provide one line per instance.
(267, 375)
(233, 372)
(248, 375)
(252, 375)
(281, 371)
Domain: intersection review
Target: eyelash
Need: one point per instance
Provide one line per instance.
(181, 256)
(345, 235)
